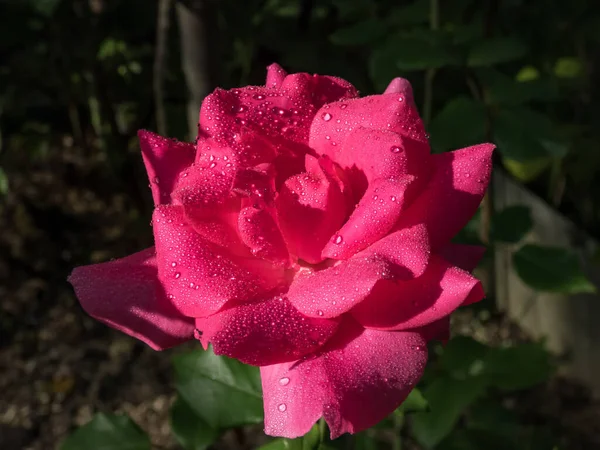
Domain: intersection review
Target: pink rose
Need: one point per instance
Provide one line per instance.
(307, 231)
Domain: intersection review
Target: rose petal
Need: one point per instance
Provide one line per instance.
(267, 332)
(394, 169)
(218, 226)
(283, 114)
(126, 294)
(260, 233)
(208, 182)
(402, 305)
(310, 208)
(401, 86)
(335, 290)
(334, 122)
(199, 277)
(164, 159)
(275, 76)
(358, 378)
(457, 185)
(467, 257)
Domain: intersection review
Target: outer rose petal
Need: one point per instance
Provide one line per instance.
(200, 277)
(310, 208)
(333, 291)
(358, 378)
(457, 185)
(126, 294)
(164, 159)
(415, 303)
(466, 257)
(268, 332)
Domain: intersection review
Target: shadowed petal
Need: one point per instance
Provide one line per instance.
(358, 378)
(126, 294)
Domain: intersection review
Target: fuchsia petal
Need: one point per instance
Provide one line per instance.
(401, 305)
(333, 291)
(268, 332)
(218, 225)
(334, 122)
(457, 185)
(260, 233)
(310, 208)
(283, 114)
(164, 159)
(467, 257)
(394, 169)
(275, 76)
(358, 378)
(401, 86)
(126, 294)
(201, 278)
(208, 182)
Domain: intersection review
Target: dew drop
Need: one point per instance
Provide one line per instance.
(395, 149)
(173, 264)
(326, 117)
(320, 313)
(400, 99)
(177, 275)
(284, 381)
(337, 239)
(282, 407)
(393, 198)
(156, 180)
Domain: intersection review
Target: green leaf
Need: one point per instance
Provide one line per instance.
(363, 32)
(495, 51)
(525, 135)
(222, 391)
(462, 356)
(551, 269)
(518, 367)
(568, 68)
(413, 14)
(491, 417)
(511, 224)
(45, 7)
(3, 182)
(448, 398)
(420, 53)
(414, 402)
(190, 430)
(310, 441)
(527, 171)
(108, 432)
(459, 124)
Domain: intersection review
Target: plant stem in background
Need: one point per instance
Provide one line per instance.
(160, 56)
(194, 27)
(434, 23)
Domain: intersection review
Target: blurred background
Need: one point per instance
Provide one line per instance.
(78, 78)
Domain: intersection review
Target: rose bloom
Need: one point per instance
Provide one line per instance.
(307, 231)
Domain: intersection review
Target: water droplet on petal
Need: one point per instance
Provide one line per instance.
(337, 239)
(177, 275)
(284, 381)
(326, 117)
(320, 313)
(173, 264)
(395, 149)
(282, 407)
